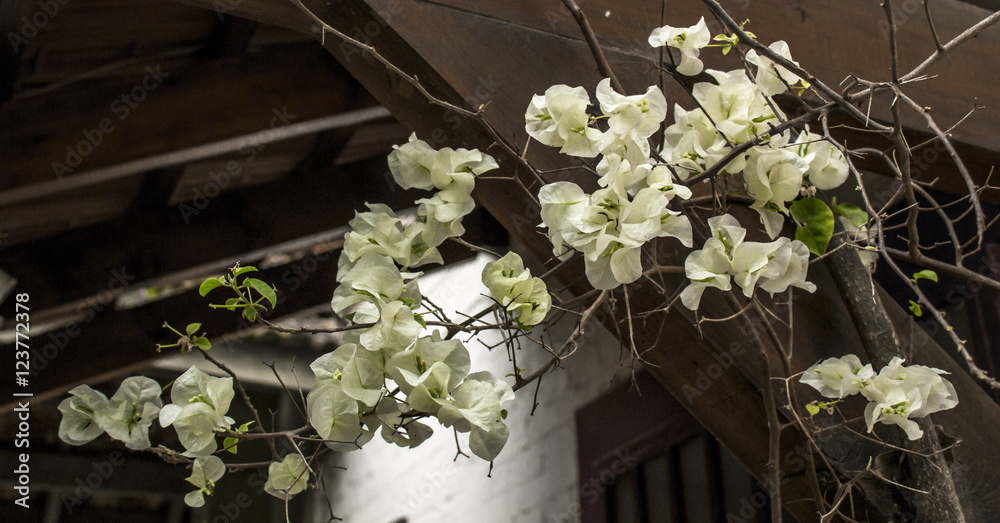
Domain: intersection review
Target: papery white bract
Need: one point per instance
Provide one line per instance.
(200, 404)
(838, 377)
(828, 168)
(131, 411)
(896, 394)
(80, 411)
(287, 477)
(771, 77)
(689, 40)
(205, 471)
(559, 119)
(773, 266)
(525, 298)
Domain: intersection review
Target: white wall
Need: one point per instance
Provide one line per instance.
(535, 477)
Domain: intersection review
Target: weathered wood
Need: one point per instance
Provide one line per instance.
(161, 119)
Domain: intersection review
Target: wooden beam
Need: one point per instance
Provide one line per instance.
(151, 239)
(110, 121)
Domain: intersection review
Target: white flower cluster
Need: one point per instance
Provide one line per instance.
(726, 257)
(896, 395)
(352, 400)
(198, 414)
(525, 298)
(611, 225)
(125, 417)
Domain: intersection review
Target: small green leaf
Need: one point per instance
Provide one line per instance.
(240, 270)
(203, 343)
(250, 314)
(420, 320)
(815, 221)
(503, 413)
(193, 328)
(926, 274)
(264, 289)
(230, 444)
(856, 215)
(915, 309)
(813, 408)
(208, 285)
(244, 427)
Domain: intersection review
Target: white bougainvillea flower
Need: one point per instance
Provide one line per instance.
(773, 266)
(80, 412)
(287, 477)
(838, 377)
(693, 144)
(896, 394)
(131, 411)
(559, 119)
(689, 40)
(205, 471)
(476, 406)
(435, 365)
(525, 298)
(334, 415)
(828, 168)
(771, 77)
(641, 113)
(562, 203)
(899, 393)
(707, 267)
(362, 375)
(373, 290)
(416, 164)
(735, 104)
(380, 231)
(773, 176)
(442, 214)
(787, 267)
(198, 411)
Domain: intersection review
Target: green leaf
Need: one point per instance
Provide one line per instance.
(203, 343)
(240, 270)
(250, 314)
(230, 444)
(915, 309)
(264, 289)
(245, 427)
(813, 408)
(503, 413)
(856, 215)
(815, 221)
(208, 285)
(193, 328)
(926, 274)
(420, 320)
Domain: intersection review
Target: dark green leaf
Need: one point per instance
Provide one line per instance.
(264, 289)
(208, 285)
(203, 343)
(815, 221)
(420, 320)
(250, 314)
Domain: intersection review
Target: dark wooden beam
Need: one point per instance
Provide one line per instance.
(152, 239)
(175, 109)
